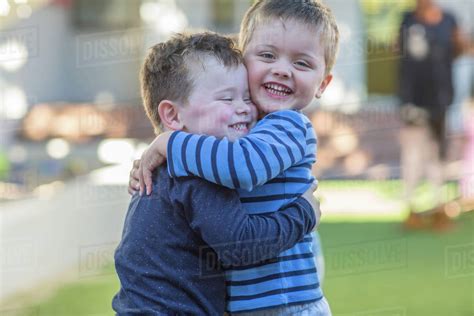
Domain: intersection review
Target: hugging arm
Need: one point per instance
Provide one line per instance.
(276, 143)
(240, 238)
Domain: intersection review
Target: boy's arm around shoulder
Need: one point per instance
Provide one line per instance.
(239, 238)
(276, 143)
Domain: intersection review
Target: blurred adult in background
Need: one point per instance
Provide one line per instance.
(467, 178)
(429, 41)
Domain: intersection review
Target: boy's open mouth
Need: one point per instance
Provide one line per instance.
(240, 127)
(277, 89)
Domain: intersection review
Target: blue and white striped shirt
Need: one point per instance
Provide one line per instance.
(270, 167)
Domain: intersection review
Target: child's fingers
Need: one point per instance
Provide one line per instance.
(136, 164)
(318, 213)
(134, 174)
(308, 195)
(133, 186)
(148, 181)
(141, 180)
(314, 185)
(310, 191)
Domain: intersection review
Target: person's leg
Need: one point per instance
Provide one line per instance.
(412, 143)
(467, 175)
(462, 81)
(437, 126)
(435, 171)
(437, 153)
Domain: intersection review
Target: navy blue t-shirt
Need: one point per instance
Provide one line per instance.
(427, 53)
(175, 240)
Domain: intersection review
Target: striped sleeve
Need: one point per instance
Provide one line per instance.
(276, 143)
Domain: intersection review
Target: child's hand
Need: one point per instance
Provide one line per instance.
(153, 157)
(309, 196)
(133, 181)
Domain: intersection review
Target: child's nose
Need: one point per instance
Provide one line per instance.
(282, 70)
(243, 107)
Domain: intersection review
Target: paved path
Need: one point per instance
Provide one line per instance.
(358, 202)
(77, 227)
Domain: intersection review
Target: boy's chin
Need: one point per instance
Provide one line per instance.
(233, 136)
(270, 107)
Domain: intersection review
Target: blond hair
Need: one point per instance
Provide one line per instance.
(308, 12)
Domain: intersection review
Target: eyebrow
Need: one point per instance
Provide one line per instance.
(226, 89)
(306, 55)
(231, 89)
(260, 46)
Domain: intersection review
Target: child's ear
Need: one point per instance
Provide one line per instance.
(323, 86)
(169, 115)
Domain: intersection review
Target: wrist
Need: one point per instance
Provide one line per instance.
(162, 143)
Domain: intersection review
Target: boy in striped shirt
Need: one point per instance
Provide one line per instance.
(289, 49)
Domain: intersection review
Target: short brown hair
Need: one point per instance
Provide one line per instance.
(165, 73)
(309, 12)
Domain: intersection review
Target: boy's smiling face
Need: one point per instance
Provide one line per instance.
(286, 65)
(219, 104)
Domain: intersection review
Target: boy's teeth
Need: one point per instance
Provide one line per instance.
(277, 89)
(239, 127)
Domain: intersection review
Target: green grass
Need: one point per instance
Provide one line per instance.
(380, 269)
(91, 296)
(375, 268)
(372, 268)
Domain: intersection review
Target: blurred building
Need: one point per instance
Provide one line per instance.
(61, 54)
(90, 51)
(80, 51)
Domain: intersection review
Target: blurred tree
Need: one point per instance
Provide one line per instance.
(4, 166)
(223, 15)
(106, 14)
(382, 19)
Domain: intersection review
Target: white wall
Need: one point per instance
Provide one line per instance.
(349, 87)
(42, 71)
(66, 67)
(55, 71)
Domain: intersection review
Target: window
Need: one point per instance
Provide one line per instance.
(106, 14)
(223, 15)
